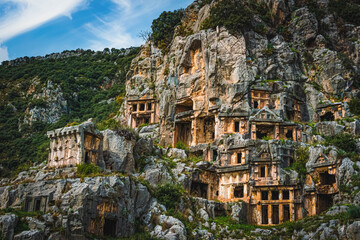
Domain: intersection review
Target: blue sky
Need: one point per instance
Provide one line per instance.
(38, 27)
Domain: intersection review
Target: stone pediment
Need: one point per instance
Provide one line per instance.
(265, 115)
(322, 159)
(263, 154)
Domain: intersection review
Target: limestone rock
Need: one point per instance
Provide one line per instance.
(157, 173)
(29, 235)
(353, 231)
(7, 225)
(345, 172)
(118, 151)
(329, 129)
(177, 153)
(143, 148)
(355, 127)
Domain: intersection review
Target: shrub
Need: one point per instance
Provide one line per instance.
(234, 15)
(85, 169)
(345, 142)
(354, 211)
(349, 10)
(301, 157)
(181, 145)
(163, 28)
(354, 106)
(169, 194)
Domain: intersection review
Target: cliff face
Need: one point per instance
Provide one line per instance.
(311, 60)
(238, 134)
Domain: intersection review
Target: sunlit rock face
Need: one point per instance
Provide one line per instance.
(241, 103)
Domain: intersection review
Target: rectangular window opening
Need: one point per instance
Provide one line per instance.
(262, 171)
(264, 195)
(237, 126)
(286, 195)
(239, 192)
(274, 195)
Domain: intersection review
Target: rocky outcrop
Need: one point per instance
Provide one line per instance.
(7, 225)
(48, 105)
(329, 129)
(118, 151)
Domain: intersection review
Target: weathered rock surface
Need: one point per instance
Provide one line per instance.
(118, 151)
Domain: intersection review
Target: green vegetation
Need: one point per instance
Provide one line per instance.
(301, 157)
(87, 81)
(181, 145)
(354, 212)
(169, 195)
(266, 138)
(349, 10)
(163, 28)
(345, 142)
(204, 2)
(85, 169)
(354, 106)
(234, 15)
(269, 50)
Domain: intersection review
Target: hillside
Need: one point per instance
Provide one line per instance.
(43, 93)
(237, 119)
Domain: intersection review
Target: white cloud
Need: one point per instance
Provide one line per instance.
(3, 54)
(115, 29)
(26, 15)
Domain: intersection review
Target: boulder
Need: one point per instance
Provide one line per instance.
(7, 225)
(29, 235)
(345, 172)
(118, 150)
(329, 129)
(157, 173)
(353, 231)
(143, 147)
(177, 153)
(355, 127)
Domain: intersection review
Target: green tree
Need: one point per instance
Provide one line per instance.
(164, 26)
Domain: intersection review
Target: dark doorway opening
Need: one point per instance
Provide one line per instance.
(134, 107)
(264, 214)
(239, 192)
(87, 157)
(286, 195)
(37, 205)
(237, 127)
(239, 156)
(215, 155)
(142, 107)
(290, 115)
(324, 202)
(274, 195)
(289, 135)
(262, 171)
(275, 214)
(286, 210)
(264, 195)
(199, 189)
(327, 179)
(183, 133)
(264, 131)
(329, 116)
(110, 227)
